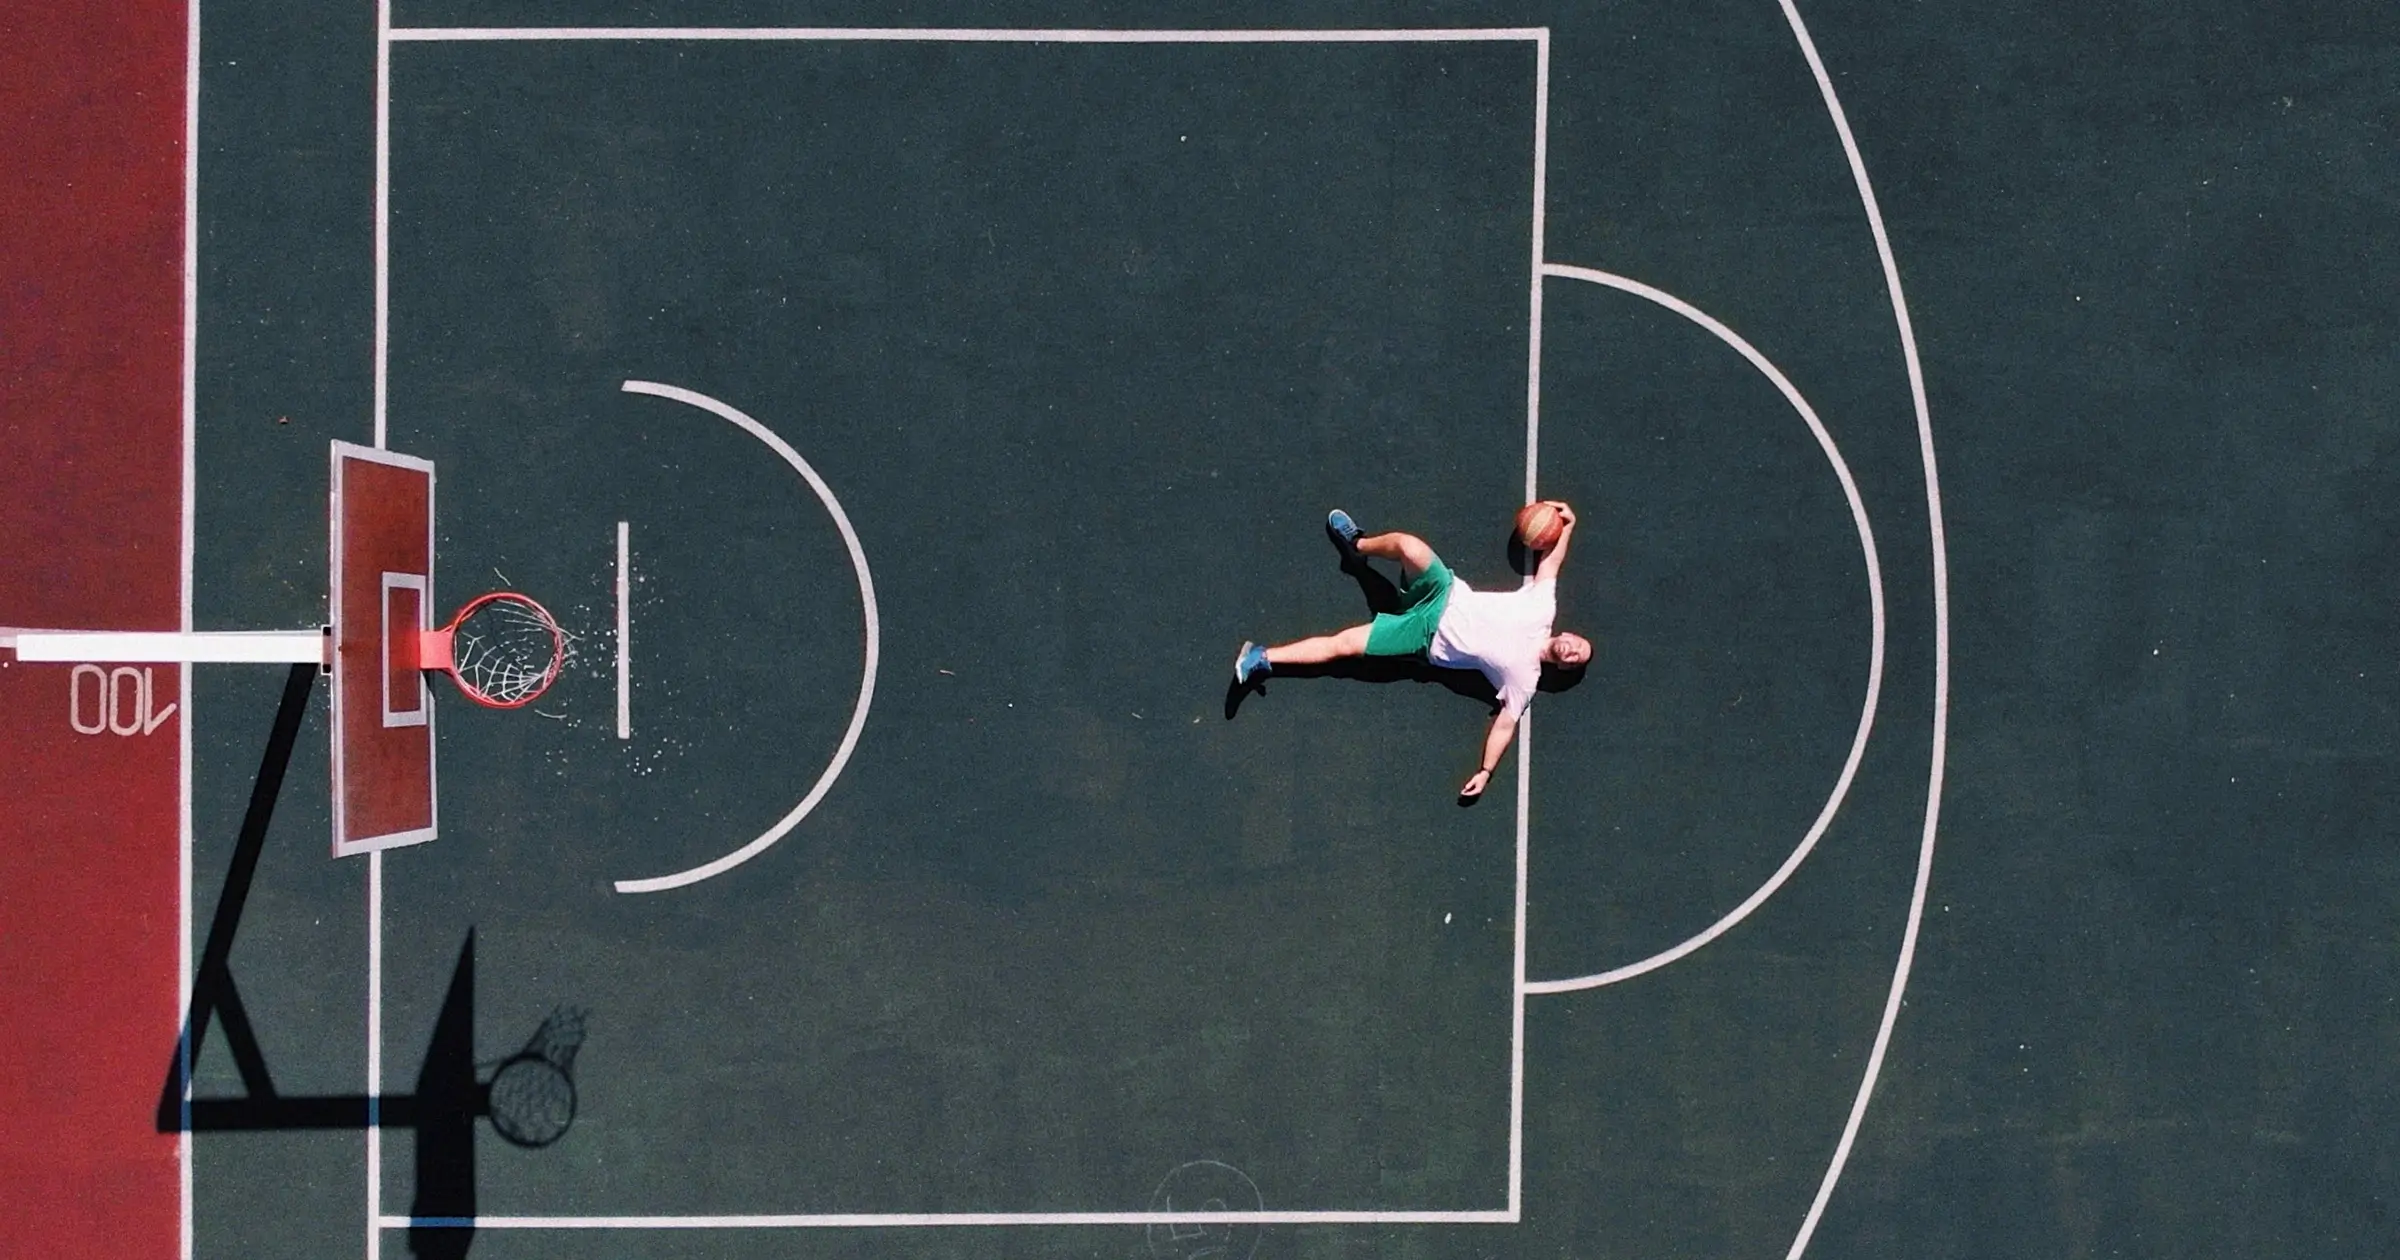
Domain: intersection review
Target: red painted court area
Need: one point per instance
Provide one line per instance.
(92, 100)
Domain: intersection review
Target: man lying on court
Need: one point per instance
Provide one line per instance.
(1504, 635)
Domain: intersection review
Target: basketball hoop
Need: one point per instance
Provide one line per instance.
(503, 650)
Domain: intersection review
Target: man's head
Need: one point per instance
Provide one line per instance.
(1572, 651)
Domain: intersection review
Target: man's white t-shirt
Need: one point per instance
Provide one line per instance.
(1500, 634)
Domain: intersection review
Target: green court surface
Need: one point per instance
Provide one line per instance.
(1967, 841)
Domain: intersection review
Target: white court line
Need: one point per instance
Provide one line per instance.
(1516, 1014)
(866, 685)
(935, 1220)
(938, 35)
(1941, 630)
(374, 1051)
(1533, 445)
(1533, 322)
(388, 35)
(190, 505)
(624, 631)
(383, 220)
(1866, 715)
(383, 344)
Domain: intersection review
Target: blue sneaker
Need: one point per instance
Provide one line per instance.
(1345, 532)
(1250, 664)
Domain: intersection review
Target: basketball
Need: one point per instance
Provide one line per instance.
(1538, 526)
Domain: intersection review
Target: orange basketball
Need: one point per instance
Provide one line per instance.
(1538, 526)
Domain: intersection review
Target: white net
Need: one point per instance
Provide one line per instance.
(507, 650)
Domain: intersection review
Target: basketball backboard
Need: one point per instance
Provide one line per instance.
(381, 529)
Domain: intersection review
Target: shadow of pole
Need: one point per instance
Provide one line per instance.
(213, 992)
(448, 1102)
(535, 1087)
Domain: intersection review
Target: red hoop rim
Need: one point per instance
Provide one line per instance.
(437, 650)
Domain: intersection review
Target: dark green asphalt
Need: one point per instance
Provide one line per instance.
(1086, 340)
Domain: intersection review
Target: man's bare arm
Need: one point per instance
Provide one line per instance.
(1495, 745)
(1557, 557)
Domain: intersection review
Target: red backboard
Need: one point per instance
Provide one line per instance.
(382, 597)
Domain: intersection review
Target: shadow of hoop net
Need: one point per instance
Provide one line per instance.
(531, 1097)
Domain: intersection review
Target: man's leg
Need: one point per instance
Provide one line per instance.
(1414, 558)
(1411, 551)
(1253, 661)
(1322, 648)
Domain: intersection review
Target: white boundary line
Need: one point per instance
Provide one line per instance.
(874, 650)
(383, 216)
(1533, 320)
(1516, 1014)
(936, 1220)
(624, 630)
(190, 504)
(383, 341)
(387, 35)
(940, 35)
(374, 1053)
(1533, 446)
(1941, 630)
(1875, 651)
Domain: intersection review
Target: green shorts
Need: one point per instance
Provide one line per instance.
(1409, 631)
